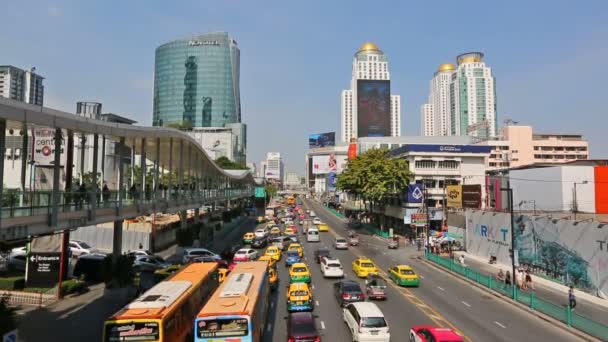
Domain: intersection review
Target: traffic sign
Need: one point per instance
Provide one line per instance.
(260, 192)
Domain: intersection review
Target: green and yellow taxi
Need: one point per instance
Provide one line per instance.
(323, 227)
(272, 262)
(298, 248)
(299, 297)
(273, 252)
(261, 219)
(404, 275)
(289, 231)
(248, 238)
(222, 274)
(364, 267)
(275, 230)
(299, 273)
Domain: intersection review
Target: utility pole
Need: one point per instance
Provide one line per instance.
(510, 196)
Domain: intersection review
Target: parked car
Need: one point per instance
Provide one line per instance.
(366, 322)
(17, 262)
(301, 327)
(340, 243)
(89, 266)
(348, 291)
(259, 242)
(321, 253)
(149, 263)
(245, 254)
(191, 253)
(138, 252)
(331, 268)
(79, 248)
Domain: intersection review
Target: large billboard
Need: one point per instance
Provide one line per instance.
(320, 165)
(322, 140)
(373, 108)
(44, 146)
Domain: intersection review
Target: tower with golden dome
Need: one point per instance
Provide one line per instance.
(368, 107)
(462, 99)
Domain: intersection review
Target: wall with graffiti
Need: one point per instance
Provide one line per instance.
(567, 251)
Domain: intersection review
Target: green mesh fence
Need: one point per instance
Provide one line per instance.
(559, 312)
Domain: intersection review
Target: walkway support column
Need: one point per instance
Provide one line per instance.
(56, 199)
(180, 175)
(117, 241)
(103, 161)
(3, 150)
(170, 185)
(156, 169)
(69, 163)
(96, 190)
(142, 168)
(83, 141)
(24, 154)
(121, 176)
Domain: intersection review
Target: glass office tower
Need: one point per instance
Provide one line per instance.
(196, 82)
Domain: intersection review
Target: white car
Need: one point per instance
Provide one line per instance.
(366, 322)
(308, 211)
(261, 232)
(316, 220)
(245, 254)
(312, 214)
(341, 243)
(79, 248)
(331, 268)
(193, 253)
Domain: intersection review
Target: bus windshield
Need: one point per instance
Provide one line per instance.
(222, 327)
(132, 331)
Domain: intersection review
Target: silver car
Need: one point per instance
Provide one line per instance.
(341, 243)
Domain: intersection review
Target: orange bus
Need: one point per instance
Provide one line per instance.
(237, 310)
(165, 312)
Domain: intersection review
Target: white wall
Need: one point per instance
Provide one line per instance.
(542, 185)
(585, 193)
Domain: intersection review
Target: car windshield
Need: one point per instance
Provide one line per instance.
(300, 269)
(373, 322)
(323, 252)
(299, 293)
(407, 272)
(292, 254)
(333, 265)
(352, 288)
(340, 240)
(84, 245)
(367, 264)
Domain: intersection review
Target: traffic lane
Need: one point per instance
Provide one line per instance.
(399, 312)
(451, 305)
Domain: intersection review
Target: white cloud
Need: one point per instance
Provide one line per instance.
(54, 11)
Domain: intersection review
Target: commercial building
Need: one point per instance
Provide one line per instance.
(428, 121)
(462, 99)
(292, 180)
(518, 145)
(229, 141)
(21, 85)
(323, 165)
(274, 167)
(368, 108)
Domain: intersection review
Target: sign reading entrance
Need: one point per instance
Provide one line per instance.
(43, 269)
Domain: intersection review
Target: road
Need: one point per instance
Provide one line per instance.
(440, 300)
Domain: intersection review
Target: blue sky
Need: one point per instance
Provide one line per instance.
(549, 57)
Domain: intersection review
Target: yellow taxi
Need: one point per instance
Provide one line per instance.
(248, 238)
(222, 273)
(260, 219)
(299, 297)
(275, 230)
(271, 261)
(404, 275)
(273, 278)
(273, 252)
(289, 231)
(299, 273)
(296, 247)
(323, 227)
(364, 267)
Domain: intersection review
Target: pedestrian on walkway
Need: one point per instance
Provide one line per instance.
(501, 276)
(571, 298)
(461, 258)
(508, 278)
(528, 280)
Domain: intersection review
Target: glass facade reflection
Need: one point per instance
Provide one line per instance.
(196, 82)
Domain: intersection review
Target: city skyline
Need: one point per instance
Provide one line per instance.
(539, 67)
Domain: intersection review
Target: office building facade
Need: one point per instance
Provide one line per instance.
(368, 108)
(196, 82)
(274, 167)
(21, 85)
(435, 115)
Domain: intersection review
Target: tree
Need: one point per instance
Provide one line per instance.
(271, 191)
(374, 176)
(227, 164)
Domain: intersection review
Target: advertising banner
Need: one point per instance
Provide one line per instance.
(332, 181)
(414, 193)
(352, 151)
(373, 108)
(471, 196)
(575, 252)
(322, 140)
(320, 165)
(454, 194)
(44, 146)
(260, 192)
(43, 269)
(419, 219)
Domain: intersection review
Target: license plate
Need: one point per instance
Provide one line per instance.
(373, 332)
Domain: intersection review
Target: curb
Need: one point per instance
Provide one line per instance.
(555, 322)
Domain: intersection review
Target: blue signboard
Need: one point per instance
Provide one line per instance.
(442, 148)
(332, 181)
(414, 193)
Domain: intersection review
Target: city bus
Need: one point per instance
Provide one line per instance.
(165, 312)
(237, 310)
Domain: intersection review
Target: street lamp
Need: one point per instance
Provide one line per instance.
(575, 200)
(510, 196)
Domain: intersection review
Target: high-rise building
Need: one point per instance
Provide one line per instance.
(196, 82)
(473, 97)
(274, 167)
(368, 108)
(21, 85)
(436, 113)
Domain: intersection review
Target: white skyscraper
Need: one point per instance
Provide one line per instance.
(274, 166)
(436, 113)
(370, 64)
(472, 97)
(21, 85)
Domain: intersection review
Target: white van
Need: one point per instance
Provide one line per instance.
(312, 235)
(366, 322)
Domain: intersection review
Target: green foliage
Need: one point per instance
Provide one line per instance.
(73, 286)
(271, 191)
(8, 317)
(374, 175)
(227, 164)
(12, 283)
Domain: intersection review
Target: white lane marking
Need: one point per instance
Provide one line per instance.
(322, 325)
(271, 305)
(441, 288)
(465, 303)
(313, 286)
(384, 253)
(421, 305)
(421, 277)
(317, 302)
(500, 325)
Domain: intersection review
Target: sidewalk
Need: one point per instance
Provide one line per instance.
(587, 305)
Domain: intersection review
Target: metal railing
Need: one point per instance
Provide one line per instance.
(560, 312)
(32, 203)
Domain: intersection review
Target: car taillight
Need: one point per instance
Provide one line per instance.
(317, 339)
(362, 296)
(345, 296)
(291, 339)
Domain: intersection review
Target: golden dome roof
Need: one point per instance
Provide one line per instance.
(369, 46)
(446, 67)
(469, 57)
